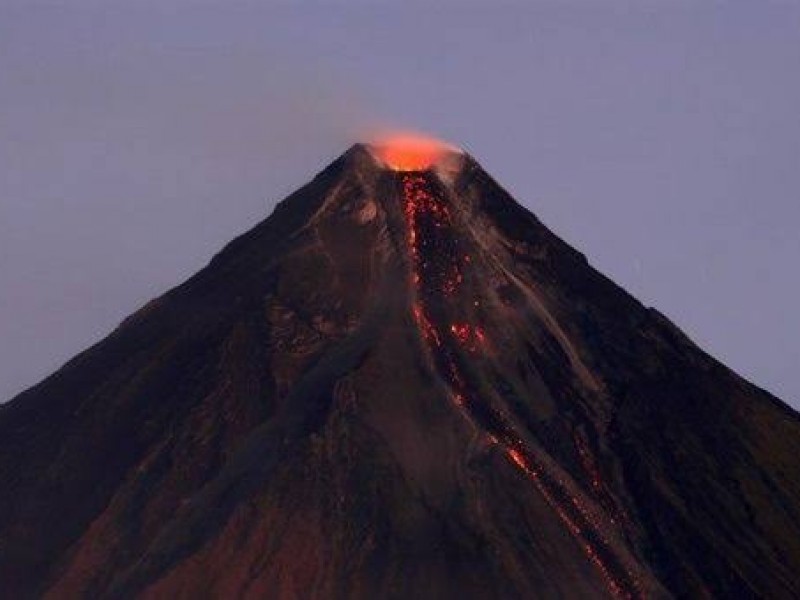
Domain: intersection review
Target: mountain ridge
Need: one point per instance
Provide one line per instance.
(421, 329)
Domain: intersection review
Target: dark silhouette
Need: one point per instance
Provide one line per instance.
(399, 385)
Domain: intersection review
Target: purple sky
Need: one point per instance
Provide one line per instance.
(661, 138)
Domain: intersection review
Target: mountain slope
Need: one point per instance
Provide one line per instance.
(401, 384)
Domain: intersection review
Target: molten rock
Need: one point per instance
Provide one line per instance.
(400, 385)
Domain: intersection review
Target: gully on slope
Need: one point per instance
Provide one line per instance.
(439, 259)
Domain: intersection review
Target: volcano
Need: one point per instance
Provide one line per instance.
(399, 385)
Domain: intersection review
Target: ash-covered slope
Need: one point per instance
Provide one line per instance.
(400, 385)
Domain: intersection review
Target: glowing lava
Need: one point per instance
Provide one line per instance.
(438, 262)
(411, 152)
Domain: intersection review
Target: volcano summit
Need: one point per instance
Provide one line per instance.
(399, 385)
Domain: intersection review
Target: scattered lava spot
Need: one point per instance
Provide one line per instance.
(599, 487)
(588, 464)
(471, 338)
(428, 331)
(437, 272)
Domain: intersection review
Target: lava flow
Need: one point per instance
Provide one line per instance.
(438, 262)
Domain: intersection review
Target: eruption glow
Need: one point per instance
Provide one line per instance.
(438, 264)
(410, 151)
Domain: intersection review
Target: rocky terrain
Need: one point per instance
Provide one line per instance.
(399, 385)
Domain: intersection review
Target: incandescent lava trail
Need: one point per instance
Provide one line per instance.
(445, 317)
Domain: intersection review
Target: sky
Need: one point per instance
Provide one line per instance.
(660, 138)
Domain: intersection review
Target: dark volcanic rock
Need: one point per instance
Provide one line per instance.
(400, 385)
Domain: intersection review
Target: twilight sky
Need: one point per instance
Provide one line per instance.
(659, 137)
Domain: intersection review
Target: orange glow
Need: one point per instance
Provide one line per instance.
(516, 456)
(411, 152)
(468, 336)
(436, 272)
